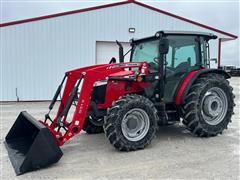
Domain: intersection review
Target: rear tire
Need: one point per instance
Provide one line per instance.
(131, 123)
(91, 128)
(209, 106)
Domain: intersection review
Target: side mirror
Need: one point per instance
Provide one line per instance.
(163, 45)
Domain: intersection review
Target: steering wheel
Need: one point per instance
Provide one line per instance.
(153, 66)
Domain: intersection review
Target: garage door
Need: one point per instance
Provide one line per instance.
(107, 50)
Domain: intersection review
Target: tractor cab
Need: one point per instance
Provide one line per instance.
(187, 51)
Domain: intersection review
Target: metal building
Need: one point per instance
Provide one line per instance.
(36, 52)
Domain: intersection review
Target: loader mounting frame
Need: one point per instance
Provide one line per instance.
(59, 126)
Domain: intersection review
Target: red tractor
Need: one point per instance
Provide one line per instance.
(167, 80)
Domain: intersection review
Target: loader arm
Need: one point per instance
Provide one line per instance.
(62, 129)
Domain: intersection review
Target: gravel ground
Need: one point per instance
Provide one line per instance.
(174, 154)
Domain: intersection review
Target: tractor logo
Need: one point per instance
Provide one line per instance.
(124, 65)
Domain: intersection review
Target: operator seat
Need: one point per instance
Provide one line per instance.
(183, 67)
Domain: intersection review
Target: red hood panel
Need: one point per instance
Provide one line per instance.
(122, 73)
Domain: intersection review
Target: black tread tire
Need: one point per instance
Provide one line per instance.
(112, 122)
(192, 117)
(90, 128)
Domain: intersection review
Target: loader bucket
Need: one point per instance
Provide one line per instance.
(31, 145)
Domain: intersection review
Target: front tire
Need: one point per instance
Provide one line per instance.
(209, 106)
(131, 123)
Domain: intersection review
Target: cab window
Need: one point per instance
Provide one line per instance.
(183, 54)
(146, 51)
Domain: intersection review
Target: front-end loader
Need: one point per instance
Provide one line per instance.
(166, 81)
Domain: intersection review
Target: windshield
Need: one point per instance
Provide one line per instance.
(145, 51)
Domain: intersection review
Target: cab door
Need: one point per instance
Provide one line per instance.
(183, 57)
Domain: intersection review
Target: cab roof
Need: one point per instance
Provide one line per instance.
(207, 36)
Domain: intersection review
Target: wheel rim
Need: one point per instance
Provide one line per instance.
(214, 106)
(135, 124)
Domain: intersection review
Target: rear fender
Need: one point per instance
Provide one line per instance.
(190, 79)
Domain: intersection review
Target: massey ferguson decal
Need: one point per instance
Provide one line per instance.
(124, 64)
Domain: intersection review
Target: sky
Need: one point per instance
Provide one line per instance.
(221, 14)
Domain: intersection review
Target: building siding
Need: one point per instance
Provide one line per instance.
(35, 55)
